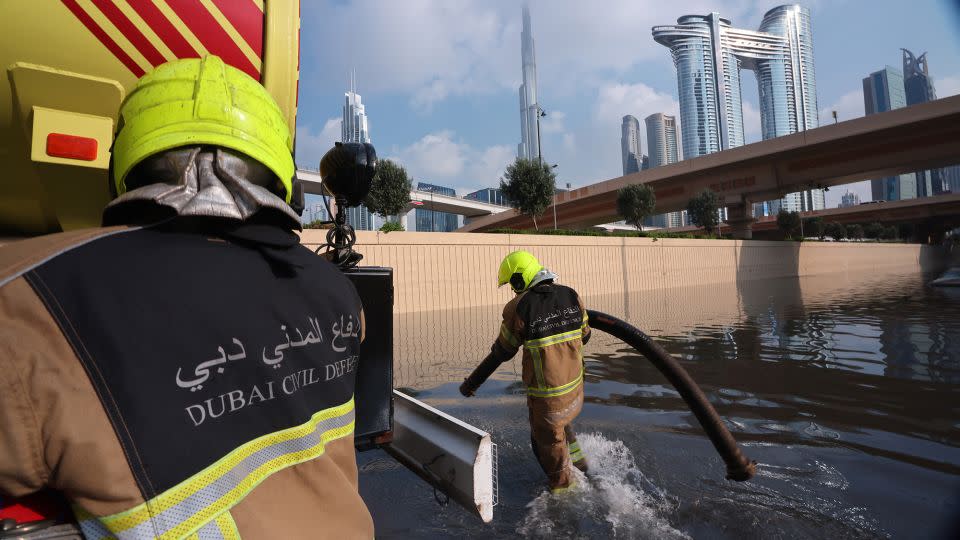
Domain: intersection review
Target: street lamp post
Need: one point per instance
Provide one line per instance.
(540, 112)
(554, 166)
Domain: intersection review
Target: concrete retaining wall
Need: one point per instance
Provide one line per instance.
(444, 271)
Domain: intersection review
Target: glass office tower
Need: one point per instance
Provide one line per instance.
(630, 145)
(882, 92)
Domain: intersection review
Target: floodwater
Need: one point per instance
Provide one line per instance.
(845, 389)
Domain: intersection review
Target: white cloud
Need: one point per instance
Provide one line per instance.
(553, 122)
(613, 102)
(440, 158)
(434, 49)
(311, 146)
(947, 86)
(848, 107)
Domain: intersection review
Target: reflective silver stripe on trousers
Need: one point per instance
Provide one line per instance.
(173, 516)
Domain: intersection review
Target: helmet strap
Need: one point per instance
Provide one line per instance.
(517, 282)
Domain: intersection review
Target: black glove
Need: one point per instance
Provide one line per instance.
(486, 368)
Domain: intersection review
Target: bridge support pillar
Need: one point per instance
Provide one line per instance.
(740, 221)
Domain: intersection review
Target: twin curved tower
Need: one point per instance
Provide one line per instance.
(709, 53)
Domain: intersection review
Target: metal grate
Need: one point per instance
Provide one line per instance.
(496, 474)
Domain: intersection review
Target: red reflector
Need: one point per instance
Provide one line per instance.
(71, 147)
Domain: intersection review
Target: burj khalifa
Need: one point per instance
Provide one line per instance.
(529, 146)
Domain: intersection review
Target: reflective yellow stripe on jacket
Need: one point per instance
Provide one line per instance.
(200, 505)
(508, 336)
(535, 347)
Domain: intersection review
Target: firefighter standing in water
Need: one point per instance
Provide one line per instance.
(169, 379)
(549, 321)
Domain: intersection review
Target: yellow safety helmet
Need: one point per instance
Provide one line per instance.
(200, 101)
(518, 269)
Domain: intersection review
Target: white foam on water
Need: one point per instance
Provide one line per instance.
(616, 501)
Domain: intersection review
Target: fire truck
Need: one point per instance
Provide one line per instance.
(69, 64)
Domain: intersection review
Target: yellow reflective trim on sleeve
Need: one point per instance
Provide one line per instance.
(556, 390)
(508, 336)
(184, 508)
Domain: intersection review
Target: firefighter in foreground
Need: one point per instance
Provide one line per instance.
(549, 321)
(191, 377)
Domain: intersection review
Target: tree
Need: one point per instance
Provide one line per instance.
(788, 222)
(814, 227)
(703, 210)
(836, 231)
(390, 192)
(888, 233)
(873, 230)
(855, 231)
(529, 186)
(391, 226)
(316, 224)
(635, 202)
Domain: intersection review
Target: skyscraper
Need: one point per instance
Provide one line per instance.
(918, 88)
(662, 138)
(630, 145)
(529, 146)
(849, 199)
(353, 127)
(882, 92)
(708, 83)
(917, 84)
(709, 52)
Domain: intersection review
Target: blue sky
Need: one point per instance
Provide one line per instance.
(439, 78)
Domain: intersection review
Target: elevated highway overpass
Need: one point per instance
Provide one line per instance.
(900, 141)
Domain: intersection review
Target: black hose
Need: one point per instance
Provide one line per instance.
(739, 468)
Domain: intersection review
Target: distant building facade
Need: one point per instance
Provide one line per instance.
(431, 220)
(488, 195)
(849, 199)
(630, 145)
(361, 218)
(883, 91)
